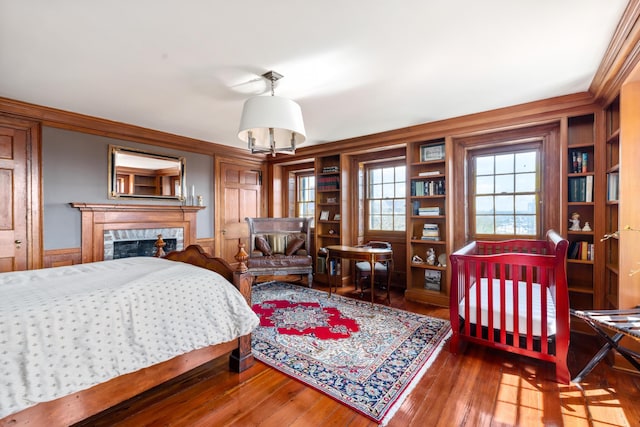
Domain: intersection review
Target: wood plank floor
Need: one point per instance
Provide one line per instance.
(482, 387)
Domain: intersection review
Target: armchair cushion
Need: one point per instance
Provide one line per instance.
(263, 246)
(293, 245)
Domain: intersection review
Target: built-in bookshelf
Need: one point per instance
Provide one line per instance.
(427, 247)
(581, 208)
(328, 210)
(611, 214)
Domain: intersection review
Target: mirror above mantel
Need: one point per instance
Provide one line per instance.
(140, 174)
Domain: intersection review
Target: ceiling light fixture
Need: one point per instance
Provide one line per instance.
(271, 124)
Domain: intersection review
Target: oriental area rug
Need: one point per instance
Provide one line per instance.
(366, 356)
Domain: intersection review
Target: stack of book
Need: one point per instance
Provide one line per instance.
(330, 169)
(580, 250)
(427, 188)
(328, 183)
(579, 162)
(581, 189)
(428, 211)
(430, 232)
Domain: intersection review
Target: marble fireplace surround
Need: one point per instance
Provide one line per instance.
(98, 218)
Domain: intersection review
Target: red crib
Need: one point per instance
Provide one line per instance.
(528, 311)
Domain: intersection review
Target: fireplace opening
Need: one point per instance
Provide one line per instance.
(131, 248)
(123, 243)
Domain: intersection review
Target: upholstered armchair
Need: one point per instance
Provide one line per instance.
(280, 247)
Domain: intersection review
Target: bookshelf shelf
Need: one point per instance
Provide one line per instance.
(427, 283)
(611, 206)
(329, 231)
(582, 192)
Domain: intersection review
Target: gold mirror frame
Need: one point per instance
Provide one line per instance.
(140, 174)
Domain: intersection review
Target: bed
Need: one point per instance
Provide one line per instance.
(528, 311)
(79, 339)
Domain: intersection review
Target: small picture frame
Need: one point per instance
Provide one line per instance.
(336, 217)
(430, 152)
(324, 215)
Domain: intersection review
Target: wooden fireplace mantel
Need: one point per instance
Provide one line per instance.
(96, 218)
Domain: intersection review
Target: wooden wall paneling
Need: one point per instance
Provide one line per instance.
(62, 257)
(207, 244)
(629, 200)
(102, 127)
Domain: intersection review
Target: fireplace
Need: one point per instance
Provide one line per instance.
(140, 242)
(104, 224)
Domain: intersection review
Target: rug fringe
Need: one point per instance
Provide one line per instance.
(416, 379)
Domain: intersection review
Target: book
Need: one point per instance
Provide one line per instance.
(612, 186)
(432, 279)
(589, 188)
(429, 173)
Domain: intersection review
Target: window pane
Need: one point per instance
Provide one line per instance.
(504, 163)
(388, 174)
(526, 204)
(375, 176)
(401, 189)
(484, 165)
(387, 222)
(504, 205)
(484, 185)
(484, 204)
(399, 206)
(388, 190)
(374, 207)
(526, 225)
(374, 222)
(505, 224)
(526, 162)
(387, 206)
(375, 191)
(525, 182)
(484, 224)
(399, 222)
(504, 184)
(401, 174)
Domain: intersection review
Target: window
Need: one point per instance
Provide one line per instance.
(504, 192)
(386, 197)
(306, 196)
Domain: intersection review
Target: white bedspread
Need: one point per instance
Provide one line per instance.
(66, 329)
(509, 303)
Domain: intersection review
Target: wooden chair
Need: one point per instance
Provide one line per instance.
(382, 269)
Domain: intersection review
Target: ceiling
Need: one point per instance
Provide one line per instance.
(355, 67)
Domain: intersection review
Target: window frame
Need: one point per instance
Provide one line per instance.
(380, 165)
(299, 175)
(513, 147)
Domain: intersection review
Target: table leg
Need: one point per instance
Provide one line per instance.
(372, 278)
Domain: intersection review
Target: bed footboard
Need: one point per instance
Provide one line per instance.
(512, 295)
(241, 357)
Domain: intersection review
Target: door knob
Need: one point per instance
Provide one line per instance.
(17, 242)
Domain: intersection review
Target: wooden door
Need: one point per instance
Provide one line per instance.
(240, 196)
(20, 246)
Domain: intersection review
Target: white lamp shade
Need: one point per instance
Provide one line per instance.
(281, 114)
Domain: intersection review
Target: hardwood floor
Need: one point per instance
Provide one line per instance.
(482, 387)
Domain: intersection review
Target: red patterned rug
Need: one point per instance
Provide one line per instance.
(366, 356)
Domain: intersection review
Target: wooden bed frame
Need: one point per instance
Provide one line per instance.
(78, 406)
